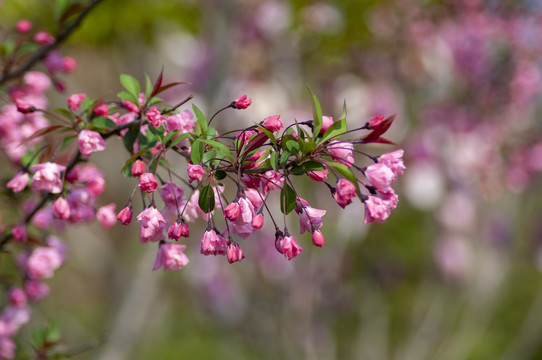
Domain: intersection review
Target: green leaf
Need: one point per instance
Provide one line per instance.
(292, 146)
(66, 114)
(148, 86)
(88, 104)
(206, 199)
(147, 141)
(170, 135)
(103, 123)
(220, 148)
(287, 199)
(343, 112)
(336, 129)
(53, 333)
(129, 138)
(273, 160)
(61, 6)
(180, 138)
(211, 133)
(207, 157)
(131, 84)
(201, 125)
(307, 147)
(345, 171)
(220, 175)
(157, 131)
(196, 152)
(67, 140)
(285, 139)
(128, 97)
(155, 100)
(284, 158)
(269, 134)
(316, 113)
(310, 165)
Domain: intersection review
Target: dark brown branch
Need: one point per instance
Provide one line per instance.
(40, 54)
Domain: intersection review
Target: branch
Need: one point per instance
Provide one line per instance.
(40, 54)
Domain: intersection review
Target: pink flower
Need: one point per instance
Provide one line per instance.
(24, 107)
(288, 246)
(254, 197)
(152, 225)
(232, 211)
(380, 176)
(170, 257)
(234, 253)
(89, 142)
(344, 193)
(327, 121)
(376, 209)
(23, 26)
(130, 106)
(244, 136)
(61, 208)
(318, 175)
(213, 244)
(310, 219)
(242, 102)
(195, 172)
(69, 64)
(17, 297)
(47, 177)
(174, 231)
(318, 238)
(257, 221)
(106, 215)
(393, 160)
(36, 290)
(37, 81)
(125, 216)
(7, 347)
(272, 123)
(155, 117)
(183, 121)
(185, 230)
(341, 152)
(19, 233)
(44, 38)
(43, 262)
(19, 181)
(172, 194)
(374, 122)
(147, 182)
(272, 180)
(75, 100)
(138, 168)
(101, 110)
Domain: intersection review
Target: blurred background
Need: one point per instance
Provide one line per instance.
(455, 271)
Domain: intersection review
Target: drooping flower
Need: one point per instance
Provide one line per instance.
(232, 211)
(19, 233)
(89, 142)
(380, 176)
(148, 183)
(170, 257)
(174, 231)
(138, 168)
(195, 172)
(310, 219)
(213, 244)
(19, 182)
(288, 246)
(341, 152)
(393, 160)
(125, 216)
(376, 209)
(318, 238)
(318, 175)
(234, 253)
(61, 208)
(172, 194)
(344, 193)
(47, 177)
(155, 117)
(152, 225)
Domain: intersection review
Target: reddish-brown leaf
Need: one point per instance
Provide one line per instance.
(42, 132)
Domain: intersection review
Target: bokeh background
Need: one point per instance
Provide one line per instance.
(453, 274)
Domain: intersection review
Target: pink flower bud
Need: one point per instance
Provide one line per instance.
(185, 230)
(213, 244)
(272, 123)
(44, 38)
(380, 176)
(393, 160)
(148, 183)
(341, 152)
(318, 175)
(327, 121)
(130, 106)
(90, 141)
(234, 253)
(19, 233)
(106, 215)
(61, 208)
(138, 168)
(152, 225)
(318, 238)
(155, 117)
(102, 109)
(23, 107)
(288, 246)
(374, 122)
(125, 216)
(174, 231)
(68, 64)
(23, 26)
(232, 211)
(242, 102)
(344, 193)
(75, 100)
(170, 257)
(195, 172)
(17, 297)
(257, 221)
(19, 182)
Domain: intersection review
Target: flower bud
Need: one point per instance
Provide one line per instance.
(174, 231)
(272, 123)
(148, 183)
(138, 168)
(185, 230)
(106, 215)
(61, 208)
(125, 216)
(44, 38)
(23, 26)
(232, 211)
(75, 100)
(318, 238)
(242, 102)
(19, 182)
(234, 253)
(257, 221)
(195, 172)
(19, 233)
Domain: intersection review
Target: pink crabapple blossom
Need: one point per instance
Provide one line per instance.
(195, 172)
(106, 215)
(380, 176)
(170, 257)
(234, 253)
(23, 26)
(44, 38)
(318, 238)
(102, 109)
(125, 216)
(148, 183)
(61, 208)
(272, 123)
(242, 102)
(327, 121)
(19, 233)
(47, 177)
(393, 160)
(152, 225)
(155, 117)
(75, 100)
(90, 141)
(341, 152)
(288, 246)
(138, 168)
(19, 182)
(344, 192)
